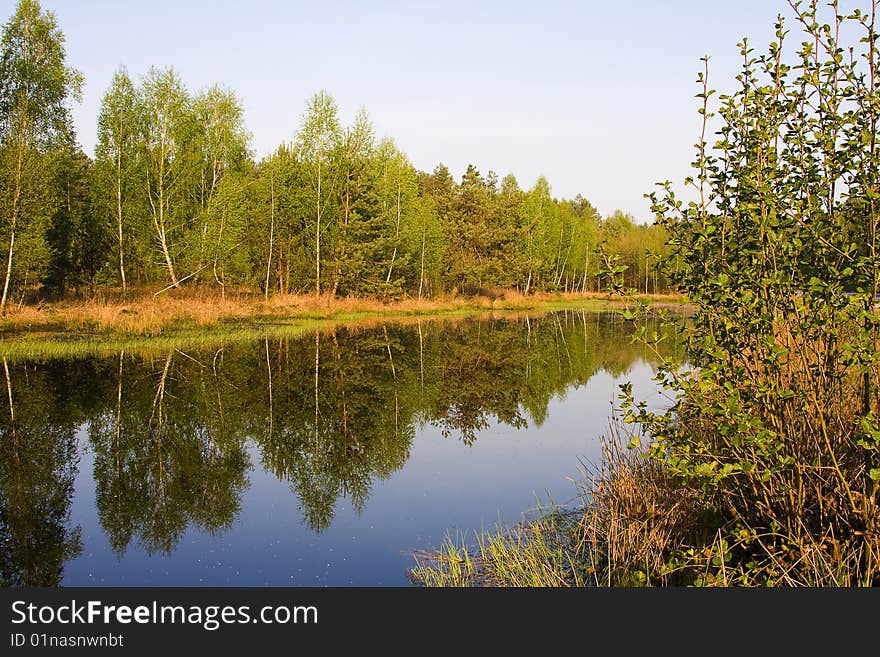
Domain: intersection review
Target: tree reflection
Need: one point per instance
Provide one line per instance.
(38, 464)
(169, 451)
(330, 414)
(338, 418)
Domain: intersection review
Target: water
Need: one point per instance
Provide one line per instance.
(319, 460)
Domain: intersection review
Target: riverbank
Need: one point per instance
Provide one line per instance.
(193, 316)
(628, 526)
(637, 522)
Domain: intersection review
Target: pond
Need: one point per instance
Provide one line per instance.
(324, 459)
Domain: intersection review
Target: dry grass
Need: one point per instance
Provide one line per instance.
(104, 328)
(636, 517)
(641, 526)
(142, 313)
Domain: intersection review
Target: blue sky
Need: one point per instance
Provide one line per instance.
(597, 96)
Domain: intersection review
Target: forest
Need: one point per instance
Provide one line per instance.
(174, 195)
(762, 470)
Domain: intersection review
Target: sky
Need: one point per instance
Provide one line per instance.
(596, 96)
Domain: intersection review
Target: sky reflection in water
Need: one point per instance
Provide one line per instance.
(216, 467)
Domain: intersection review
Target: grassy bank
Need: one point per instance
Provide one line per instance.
(631, 527)
(197, 317)
(638, 524)
(766, 470)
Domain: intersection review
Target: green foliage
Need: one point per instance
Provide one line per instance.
(224, 234)
(38, 465)
(75, 237)
(173, 196)
(35, 85)
(168, 149)
(317, 142)
(776, 418)
(118, 201)
(35, 82)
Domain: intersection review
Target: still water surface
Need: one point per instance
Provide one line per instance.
(318, 460)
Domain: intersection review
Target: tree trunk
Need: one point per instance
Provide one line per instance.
(118, 431)
(345, 216)
(9, 395)
(271, 408)
(421, 357)
(16, 197)
(159, 216)
(163, 243)
(271, 233)
(396, 236)
(318, 234)
(586, 267)
(317, 371)
(221, 280)
(565, 259)
(342, 390)
(119, 217)
(8, 270)
(422, 265)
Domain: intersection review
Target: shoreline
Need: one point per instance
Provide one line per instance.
(69, 329)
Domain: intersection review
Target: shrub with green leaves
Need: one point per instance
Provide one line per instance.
(776, 418)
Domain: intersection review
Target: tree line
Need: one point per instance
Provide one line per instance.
(174, 195)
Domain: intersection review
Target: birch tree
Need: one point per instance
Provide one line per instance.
(116, 156)
(166, 141)
(35, 87)
(538, 206)
(429, 234)
(221, 147)
(223, 140)
(356, 155)
(398, 189)
(318, 138)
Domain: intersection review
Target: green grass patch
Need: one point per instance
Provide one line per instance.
(57, 338)
(546, 551)
(65, 345)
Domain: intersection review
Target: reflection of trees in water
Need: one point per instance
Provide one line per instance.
(508, 371)
(334, 413)
(330, 414)
(38, 464)
(332, 434)
(169, 450)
